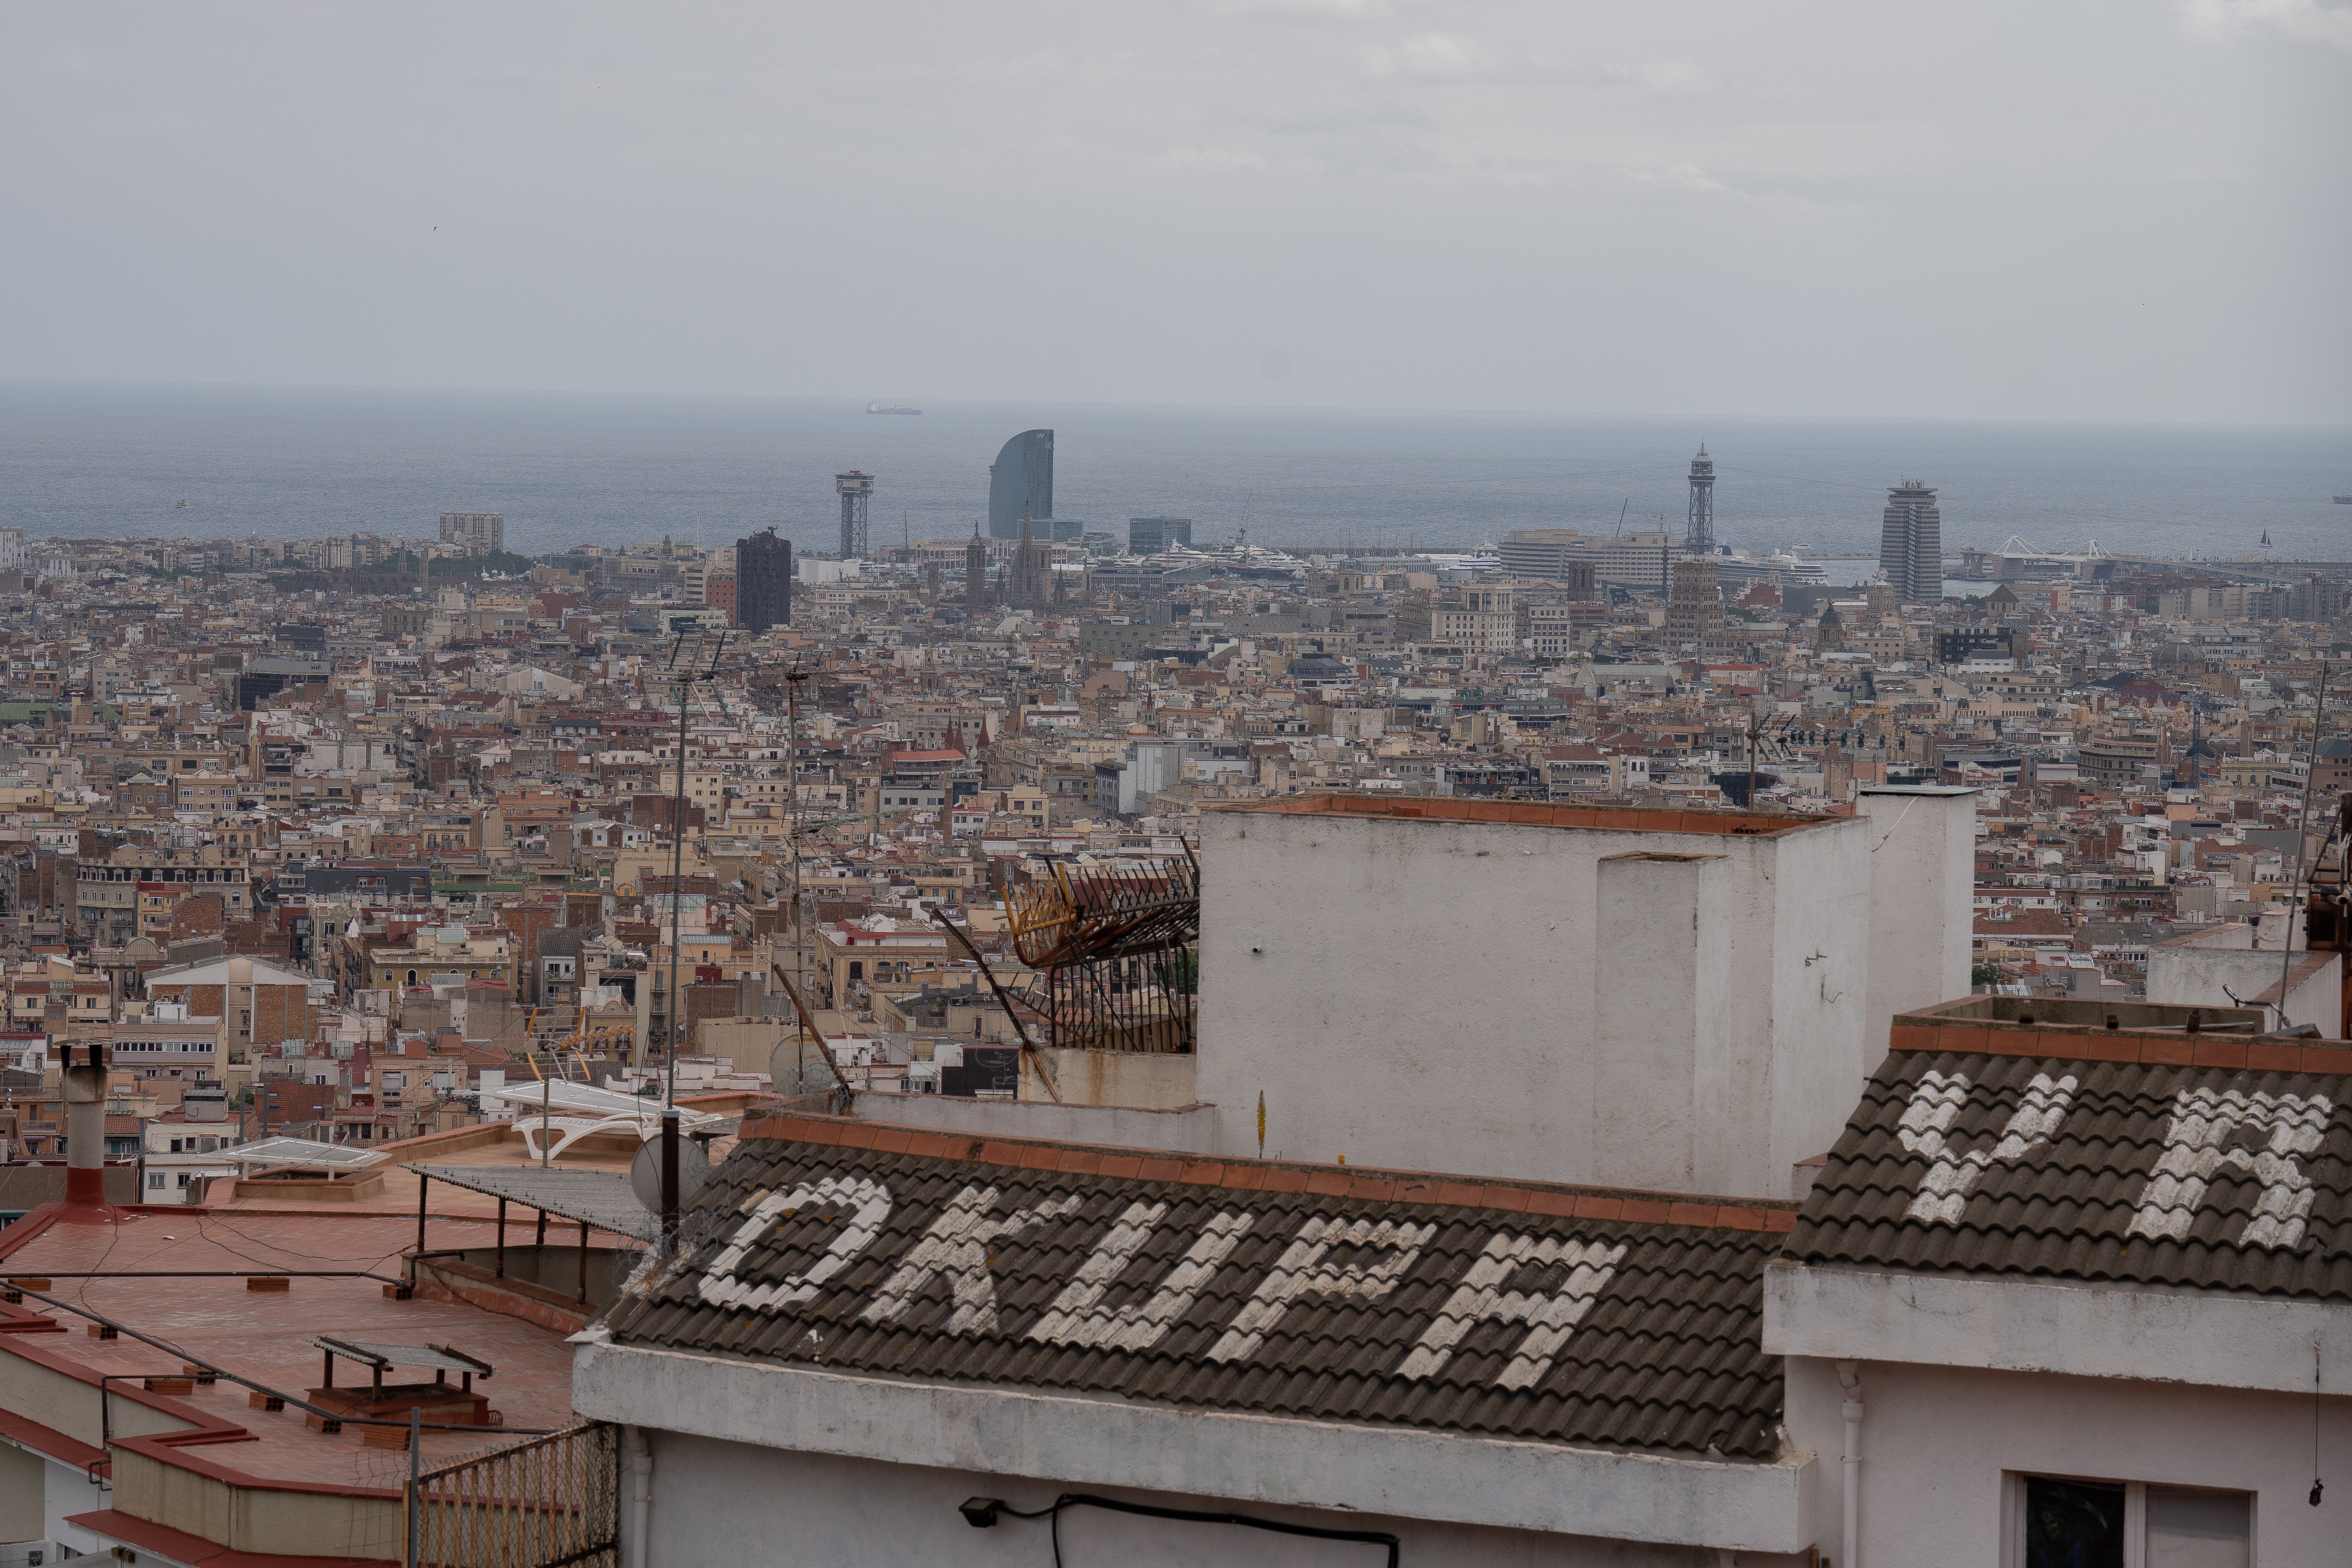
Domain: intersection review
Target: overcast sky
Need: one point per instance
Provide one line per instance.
(2047, 209)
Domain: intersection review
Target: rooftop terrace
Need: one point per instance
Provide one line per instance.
(1531, 813)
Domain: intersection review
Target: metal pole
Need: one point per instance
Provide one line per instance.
(676, 879)
(800, 911)
(422, 1180)
(669, 1178)
(583, 1244)
(2302, 845)
(502, 1239)
(416, 1501)
(1749, 803)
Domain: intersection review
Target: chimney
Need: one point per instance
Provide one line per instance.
(85, 1095)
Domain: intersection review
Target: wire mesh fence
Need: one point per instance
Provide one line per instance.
(548, 1502)
(1116, 951)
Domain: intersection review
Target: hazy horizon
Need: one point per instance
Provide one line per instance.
(117, 459)
(1699, 420)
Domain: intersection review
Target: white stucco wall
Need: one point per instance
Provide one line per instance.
(1922, 882)
(2215, 1338)
(1667, 1072)
(1447, 996)
(1191, 1130)
(1936, 1440)
(826, 1511)
(66, 1491)
(1064, 1441)
(1154, 1080)
(2188, 976)
(1821, 950)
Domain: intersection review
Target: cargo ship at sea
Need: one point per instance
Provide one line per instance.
(892, 408)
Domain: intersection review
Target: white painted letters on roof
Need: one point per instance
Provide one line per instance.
(957, 1246)
(1302, 1271)
(1077, 1316)
(1927, 1126)
(2198, 1141)
(871, 1203)
(1482, 1298)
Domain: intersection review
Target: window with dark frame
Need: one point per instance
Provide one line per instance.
(2076, 1523)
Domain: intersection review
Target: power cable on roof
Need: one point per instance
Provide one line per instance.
(276, 1247)
(2317, 1486)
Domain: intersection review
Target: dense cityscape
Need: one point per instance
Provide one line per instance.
(403, 897)
(1644, 862)
(972, 712)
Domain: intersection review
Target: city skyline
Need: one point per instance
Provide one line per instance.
(1186, 902)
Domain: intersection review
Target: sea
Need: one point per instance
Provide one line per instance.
(117, 459)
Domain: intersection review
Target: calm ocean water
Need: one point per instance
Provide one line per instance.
(114, 460)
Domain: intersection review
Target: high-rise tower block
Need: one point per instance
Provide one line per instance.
(1021, 484)
(763, 582)
(1911, 543)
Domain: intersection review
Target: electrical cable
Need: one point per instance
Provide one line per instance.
(215, 1223)
(114, 1235)
(1052, 1514)
(2317, 1486)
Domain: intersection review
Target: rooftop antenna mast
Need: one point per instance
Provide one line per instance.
(2302, 845)
(669, 1133)
(793, 678)
(1698, 533)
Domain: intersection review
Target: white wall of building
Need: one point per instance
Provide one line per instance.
(1664, 1056)
(1191, 1130)
(66, 1490)
(903, 1453)
(2188, 973)
(1922, 882)
(1936, 1443)
(1447, 996)
(830, 1511)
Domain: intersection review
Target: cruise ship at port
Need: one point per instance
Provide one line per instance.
(1740, 569)
(1644, 559)
(1236, 560)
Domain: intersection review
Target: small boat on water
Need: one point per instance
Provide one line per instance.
(892, 408)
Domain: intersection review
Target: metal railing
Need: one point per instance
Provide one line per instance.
(550, 1503)
(1116, 953)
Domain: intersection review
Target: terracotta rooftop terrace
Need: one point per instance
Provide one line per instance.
(1531, 813)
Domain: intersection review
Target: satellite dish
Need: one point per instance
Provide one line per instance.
(788, 1063)
(645, 1171)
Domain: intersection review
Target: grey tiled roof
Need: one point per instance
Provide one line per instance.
(2211, 1177)
(1599, 1331)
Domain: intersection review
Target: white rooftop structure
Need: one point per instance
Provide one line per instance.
(303, 1153)
(584, 1112)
